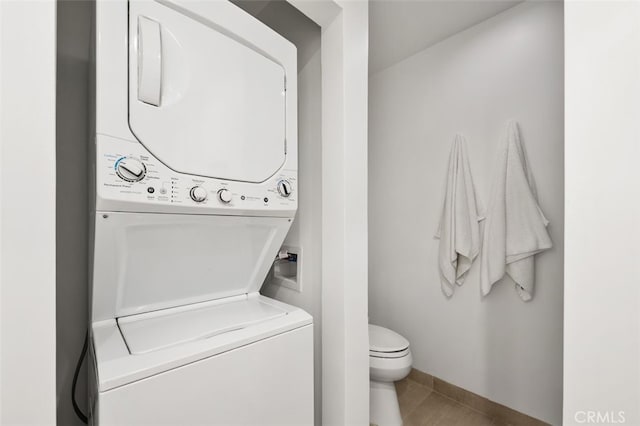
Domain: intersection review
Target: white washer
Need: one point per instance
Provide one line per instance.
(195, 161)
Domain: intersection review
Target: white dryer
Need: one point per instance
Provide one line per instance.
(195, 168)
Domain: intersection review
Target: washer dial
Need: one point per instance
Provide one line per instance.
(198, 194)
(224, 195)
(285, 188)
(130, 169)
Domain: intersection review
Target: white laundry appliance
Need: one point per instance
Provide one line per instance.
(195, 167)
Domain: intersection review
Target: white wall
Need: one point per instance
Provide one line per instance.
(27, 212)
(602, 273)
(72, 208)
(345, 337)
(508, 67)
(344, 52)
(345, 356)
(306, 231)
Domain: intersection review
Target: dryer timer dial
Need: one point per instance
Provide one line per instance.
(130, 169)
(284, 188)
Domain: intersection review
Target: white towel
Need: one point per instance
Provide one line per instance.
(516, 228)
(459, 228)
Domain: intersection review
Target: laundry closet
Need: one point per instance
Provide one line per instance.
(137, 181)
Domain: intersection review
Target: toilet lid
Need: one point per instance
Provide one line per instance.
(384, 340)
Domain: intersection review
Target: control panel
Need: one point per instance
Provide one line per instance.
(127, 173)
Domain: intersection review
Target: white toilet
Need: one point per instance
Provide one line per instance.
(389, 361)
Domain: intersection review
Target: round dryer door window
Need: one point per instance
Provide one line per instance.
(201, 101)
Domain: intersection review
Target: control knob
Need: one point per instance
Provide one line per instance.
(284, 188)
(130, 169)
(224, 195)
(198, 194)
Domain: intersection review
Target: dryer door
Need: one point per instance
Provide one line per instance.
(201, 99)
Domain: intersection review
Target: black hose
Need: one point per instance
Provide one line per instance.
(76, 408)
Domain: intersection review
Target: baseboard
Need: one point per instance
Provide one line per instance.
(501, 414)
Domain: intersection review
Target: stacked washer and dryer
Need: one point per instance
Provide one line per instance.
(195, 168)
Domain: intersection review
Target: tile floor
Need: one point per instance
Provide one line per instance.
(422, 406)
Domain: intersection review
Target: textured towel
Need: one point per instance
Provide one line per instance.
(459, 228)
(516, 228)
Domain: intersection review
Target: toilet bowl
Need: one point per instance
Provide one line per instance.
(389, 361)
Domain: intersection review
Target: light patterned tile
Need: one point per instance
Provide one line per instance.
(501, 415)
(434, 410)
(429, 401)
(438, 410)
(401, 386)
(411, 396)
(472, 417)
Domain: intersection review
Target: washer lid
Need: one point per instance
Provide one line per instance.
(384, 340)
(161, 329)
(148, 262)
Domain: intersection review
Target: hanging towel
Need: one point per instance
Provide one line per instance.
(515, 229)
(459, 228)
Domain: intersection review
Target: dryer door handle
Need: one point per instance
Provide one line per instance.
(149, 61)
